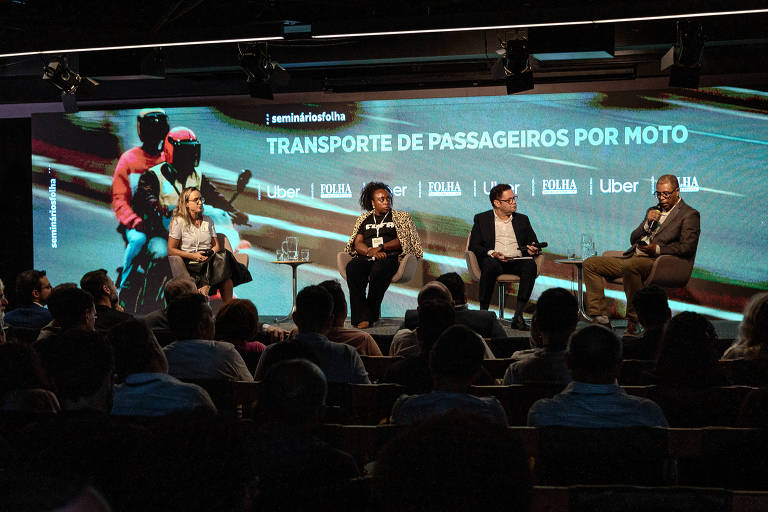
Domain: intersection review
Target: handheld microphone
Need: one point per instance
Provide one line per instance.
(652, 225)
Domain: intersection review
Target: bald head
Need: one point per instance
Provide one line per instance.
(434, 291)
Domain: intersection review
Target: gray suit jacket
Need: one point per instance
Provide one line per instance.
(678, 235)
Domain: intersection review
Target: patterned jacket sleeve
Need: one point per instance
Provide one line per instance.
(407, 234)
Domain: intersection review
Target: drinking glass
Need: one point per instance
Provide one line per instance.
(292, 247)
(279, 254)
(587, 245)
(305, 255)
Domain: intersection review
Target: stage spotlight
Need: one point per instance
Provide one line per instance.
(260, 70)
(686, 56)
(59, 74)
(514, 66)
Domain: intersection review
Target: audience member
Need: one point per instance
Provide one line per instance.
(454, 362)
(237, 322)
(145, 387)
(71, 308)
(752, 340)
(80, 365)
(413, 372)
(483, 322)
(194, 354)
(157, 320)
(32, 292)
(688, 357)
(454, 462)
(357, 338)
(102, 288)
(23, 383)
(594, 399)
(653, 313)
(313, 318)
(405, 343)
(555, 319)
(293, 466)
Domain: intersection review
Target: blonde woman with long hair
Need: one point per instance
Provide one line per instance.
(191, 236)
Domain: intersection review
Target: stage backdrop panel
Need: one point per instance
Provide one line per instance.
(580, 163)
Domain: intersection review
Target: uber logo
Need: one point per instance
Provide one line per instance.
(614, 186)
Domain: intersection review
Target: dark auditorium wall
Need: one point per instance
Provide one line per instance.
(15, 200)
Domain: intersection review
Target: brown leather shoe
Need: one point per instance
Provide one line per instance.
(632, 330)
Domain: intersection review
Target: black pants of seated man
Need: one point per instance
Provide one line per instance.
(376, 275)
(492, 268)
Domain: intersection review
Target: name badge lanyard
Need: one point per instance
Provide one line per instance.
(377, 225)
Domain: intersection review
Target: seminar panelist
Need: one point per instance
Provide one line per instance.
(380, 238)
(671, 227)
(498, 237)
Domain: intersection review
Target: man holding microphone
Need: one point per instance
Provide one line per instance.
(671, 227)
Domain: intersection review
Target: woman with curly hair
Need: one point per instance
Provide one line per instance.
(380, 238)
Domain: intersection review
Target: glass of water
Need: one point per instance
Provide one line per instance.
(305, 255)
(292, 247)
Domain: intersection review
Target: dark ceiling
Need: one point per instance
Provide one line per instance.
(737, 45)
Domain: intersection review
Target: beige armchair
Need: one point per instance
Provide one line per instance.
(668, 271)
(503, 280)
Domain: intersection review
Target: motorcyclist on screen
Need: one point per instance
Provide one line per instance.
(152, 127)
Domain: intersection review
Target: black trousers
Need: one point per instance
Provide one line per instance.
(376, 275)
(492, 268)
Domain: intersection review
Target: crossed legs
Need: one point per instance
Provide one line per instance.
(634, 270)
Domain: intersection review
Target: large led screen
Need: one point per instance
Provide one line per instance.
(581, 163)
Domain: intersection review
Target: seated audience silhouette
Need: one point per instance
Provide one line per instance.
(71, 308)
(454, 362)
(653, 313)
(357, 338)
(23, 383)
(32, 292)
(237, 322)
(80, 365)
(594, 399)
(453, 462)
(483, 322)
(194, 354)
(687, 356)
(313, 318)
(293, 466)
(413, 372)
(102, 288)
(752, 340)
(555, 319)
(145, 387)
(157, 320)
(405, 343)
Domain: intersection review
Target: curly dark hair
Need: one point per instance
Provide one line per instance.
(366, 195)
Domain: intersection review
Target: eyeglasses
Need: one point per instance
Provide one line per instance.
(509, 201)
(198, 200)
(664, 194)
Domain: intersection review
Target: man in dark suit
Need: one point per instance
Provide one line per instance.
(483, 323)
(671, 228)
(498, 237)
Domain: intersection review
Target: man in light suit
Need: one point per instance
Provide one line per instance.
(498, 237)
(671, 228)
